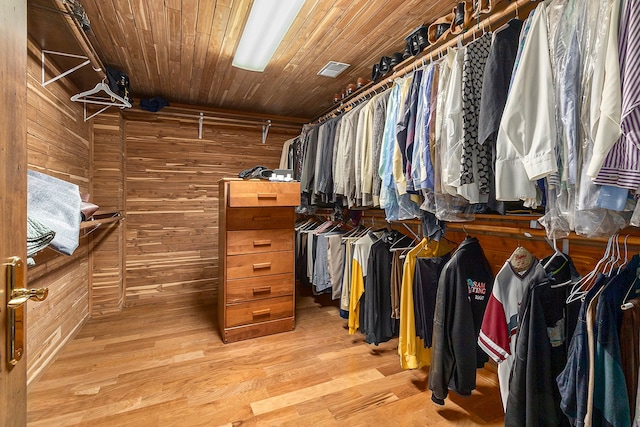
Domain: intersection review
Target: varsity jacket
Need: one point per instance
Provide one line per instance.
(464, 288)
(534, 399)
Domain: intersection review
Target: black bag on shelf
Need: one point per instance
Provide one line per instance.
(119, 83)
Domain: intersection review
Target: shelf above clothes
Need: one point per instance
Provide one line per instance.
(99, 219)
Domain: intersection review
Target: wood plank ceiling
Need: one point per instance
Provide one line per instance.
(182, 49)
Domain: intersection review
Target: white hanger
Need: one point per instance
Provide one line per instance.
(626, 254)
(576, 291)
(615, 256)
(556, 252)
(92, 97)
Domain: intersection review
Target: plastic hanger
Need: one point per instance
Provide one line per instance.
(92, 96)
(352, 232)
(626, 253)
(412, 244)
(615, 253)
(556, 253)
(581, 287)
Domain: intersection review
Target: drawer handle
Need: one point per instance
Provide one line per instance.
(261, 265)
(267, 195)
(261, 218)
(262, 243)
(261, 313)
(263, 290)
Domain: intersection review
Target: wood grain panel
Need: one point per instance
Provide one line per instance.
(183, 51)
(177, 371)
(257, 241)
(251, 289)
(259, 311)
(259, 218)
(499, 236)
(107, 243)
(241, 266)
(172, 201)
(257, 193)
(57, 144)
(53, 322)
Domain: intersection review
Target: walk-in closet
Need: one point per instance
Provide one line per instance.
(320, 213)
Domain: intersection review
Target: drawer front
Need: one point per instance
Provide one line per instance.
(246, 266)
(261, 193)
(260, 219)
(259, 311)
(258, 241)
(242, 290)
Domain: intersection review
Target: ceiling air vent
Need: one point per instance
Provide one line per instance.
(332, 69)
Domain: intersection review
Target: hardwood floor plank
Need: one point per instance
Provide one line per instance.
(165, 365)
(307, 393)
(363, 404)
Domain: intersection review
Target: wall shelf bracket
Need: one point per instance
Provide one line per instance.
(94, 114)
(265, 131)
(65, 73)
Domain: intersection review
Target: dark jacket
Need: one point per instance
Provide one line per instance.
(464, 288)
(533, 393)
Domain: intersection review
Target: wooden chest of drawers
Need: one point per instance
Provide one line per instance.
(256, 261)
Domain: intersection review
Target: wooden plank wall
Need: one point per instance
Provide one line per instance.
(58, 144)
(172, 201)
(499, 236)
(585, 253)
(107, 243)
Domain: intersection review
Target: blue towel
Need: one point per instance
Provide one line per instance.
(56, 204)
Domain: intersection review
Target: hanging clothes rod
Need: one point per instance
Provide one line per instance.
(205, 117)
(512, 10)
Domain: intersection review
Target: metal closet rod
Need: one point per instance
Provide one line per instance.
(81, 37)
(400, 71)
(233, 118)
(212, 118)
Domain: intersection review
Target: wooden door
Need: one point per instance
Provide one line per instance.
(13, 190)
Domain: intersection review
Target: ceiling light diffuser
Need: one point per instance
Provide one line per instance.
(268, 22)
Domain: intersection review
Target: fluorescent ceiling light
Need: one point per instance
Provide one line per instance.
(269, 21)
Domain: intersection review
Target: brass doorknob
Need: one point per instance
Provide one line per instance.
(21, 295)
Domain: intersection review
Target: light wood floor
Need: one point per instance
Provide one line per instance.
(165, 366)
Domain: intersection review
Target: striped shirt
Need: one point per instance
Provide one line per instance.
(622, 165)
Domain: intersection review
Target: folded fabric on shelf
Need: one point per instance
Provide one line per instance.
(56, 204)
(38, 236)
